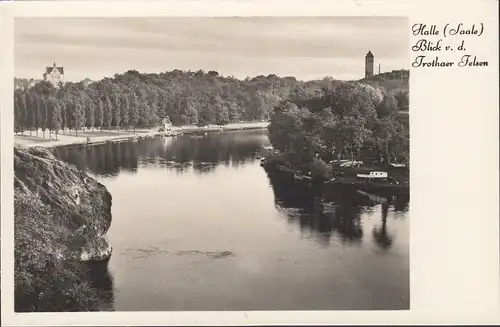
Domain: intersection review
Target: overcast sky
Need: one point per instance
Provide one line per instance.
(307, 48)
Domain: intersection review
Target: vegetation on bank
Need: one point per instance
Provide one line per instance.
(133, 99)
(59, 212)
(351, 121)
(44, 282)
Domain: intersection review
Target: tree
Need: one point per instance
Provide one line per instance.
(30, 111)
(78, 114)
(124, 112)
(108, 112)
(117, 112)
(287, 132)
(17, 116)
(323, 107)
(70, 108)
(134, 110)
(388, 106)
(49, 104)
(64, 117)
(42, 105)
(89, 112)
(20, 112)
(144, 115)
(99, 114)
(153, 117)
(56, 116)
(402, 98)
(37, 112)
(345, 121)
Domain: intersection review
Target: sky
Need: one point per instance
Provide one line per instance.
(304, 47)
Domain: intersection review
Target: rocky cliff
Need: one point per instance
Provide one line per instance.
(69, 205)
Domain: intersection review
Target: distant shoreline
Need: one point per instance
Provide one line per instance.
(189, 129)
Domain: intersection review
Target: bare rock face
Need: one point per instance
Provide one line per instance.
(79, 207)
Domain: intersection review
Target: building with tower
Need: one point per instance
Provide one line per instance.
(369, 64)
(54, 75)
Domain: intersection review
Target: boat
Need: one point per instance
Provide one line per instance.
(379, 175)
(269, 147)
(285, 169)
(331, 180)
(301, 177)
(346, 163)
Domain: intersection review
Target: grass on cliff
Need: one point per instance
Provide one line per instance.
(394, 81)
(44, 282)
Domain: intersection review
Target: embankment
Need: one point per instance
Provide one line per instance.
(190, 129)
(61, 217)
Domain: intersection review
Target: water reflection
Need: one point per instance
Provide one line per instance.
(202, 153)
(380, 234)
(336, 212)
(101, 281)
(72, 287)
(343, 242)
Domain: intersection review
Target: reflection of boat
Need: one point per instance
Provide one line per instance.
(373, 197)
(329, 207)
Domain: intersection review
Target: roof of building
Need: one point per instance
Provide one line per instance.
(369, 54)
(48, 70)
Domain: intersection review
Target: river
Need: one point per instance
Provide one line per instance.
(199, 225)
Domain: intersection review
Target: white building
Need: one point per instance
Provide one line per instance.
(54, 74)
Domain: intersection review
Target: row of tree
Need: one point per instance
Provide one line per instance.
(133, 100)
(353, 120)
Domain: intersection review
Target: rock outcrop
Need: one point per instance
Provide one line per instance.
(78, 206)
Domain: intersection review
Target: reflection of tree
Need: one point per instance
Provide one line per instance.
(382, 238)
(342, 218)
(102, 281)
(401, 203)
(203, 153)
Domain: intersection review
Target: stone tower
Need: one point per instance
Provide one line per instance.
(369, 64)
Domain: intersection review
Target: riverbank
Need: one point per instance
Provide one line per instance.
(99, 137)
(62, 217)
(333, 176)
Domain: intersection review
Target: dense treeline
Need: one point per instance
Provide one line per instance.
(351, 120)
(132, 100)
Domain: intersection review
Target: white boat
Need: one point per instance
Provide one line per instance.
(348, 164)
(269, 147)
(397, 165)
(374, 175)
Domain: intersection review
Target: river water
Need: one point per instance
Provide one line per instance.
(199, 225)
